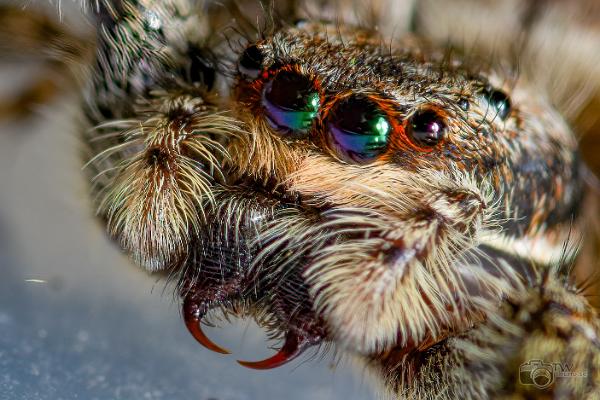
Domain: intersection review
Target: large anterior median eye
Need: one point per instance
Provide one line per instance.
(291, 101)
(357, 129)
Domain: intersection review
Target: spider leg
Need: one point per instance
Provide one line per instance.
(543, 342)
(160, 136)
(394, 280)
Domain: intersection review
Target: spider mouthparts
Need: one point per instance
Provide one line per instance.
(197, 303)
(293, 346)
(192, 315)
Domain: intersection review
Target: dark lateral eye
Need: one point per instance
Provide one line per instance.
(426, 128)
(357, 129)
(251, 62)
(499, 101)
(292, 102)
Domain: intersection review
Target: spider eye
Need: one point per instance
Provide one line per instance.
(426, 128)
(357, 129)
(292, 102)
(251, 62)
(499, 101)
(463, 103)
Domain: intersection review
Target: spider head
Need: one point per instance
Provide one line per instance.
(376, 196)
(373, 185)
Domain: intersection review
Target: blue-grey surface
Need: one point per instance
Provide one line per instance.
(79, 321)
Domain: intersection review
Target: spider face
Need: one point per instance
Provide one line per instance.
(396, 200)
(364, 199)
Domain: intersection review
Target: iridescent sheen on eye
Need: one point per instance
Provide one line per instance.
(358, 130)
(426, 128)
(498, 101)
(291, 102)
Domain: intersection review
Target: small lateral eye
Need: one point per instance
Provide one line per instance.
(357, 129)
(292, 102)
(499, 101)
(426, 128)
(251, 62)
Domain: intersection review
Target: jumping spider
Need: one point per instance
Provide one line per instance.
(413, 206)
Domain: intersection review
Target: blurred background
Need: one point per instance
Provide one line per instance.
(77, 319)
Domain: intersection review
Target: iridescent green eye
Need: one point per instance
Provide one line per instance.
(358, 130)
(292, 102)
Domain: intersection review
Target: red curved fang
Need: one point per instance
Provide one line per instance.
(196, 331)
(192, 317)
(292, 348)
